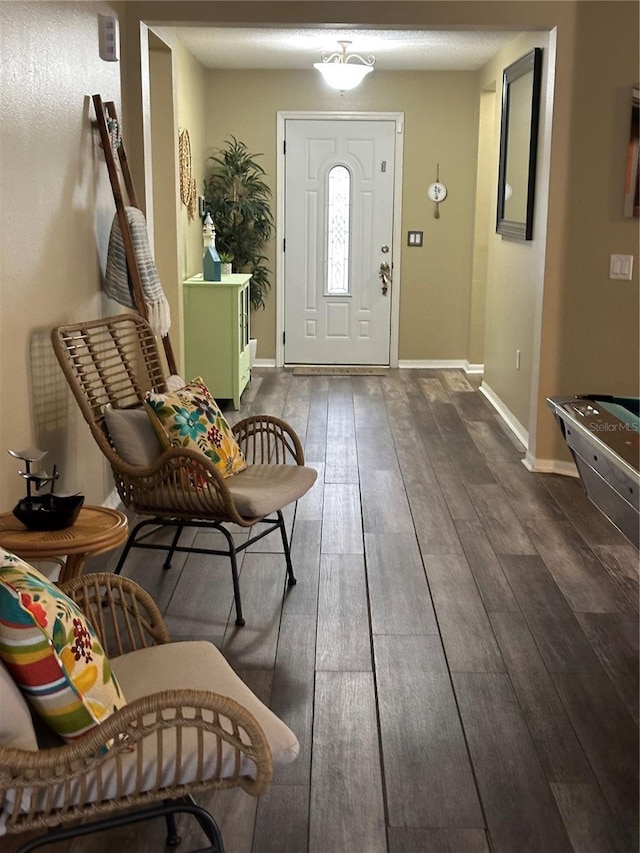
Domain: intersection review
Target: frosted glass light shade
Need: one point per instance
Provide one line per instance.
(343, 75)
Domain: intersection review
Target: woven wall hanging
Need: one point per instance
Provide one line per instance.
(188, 192)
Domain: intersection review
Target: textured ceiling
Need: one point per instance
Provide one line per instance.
(394, 50)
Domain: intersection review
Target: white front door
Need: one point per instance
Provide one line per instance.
(339, 191)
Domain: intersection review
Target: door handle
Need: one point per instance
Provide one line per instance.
(385, 275)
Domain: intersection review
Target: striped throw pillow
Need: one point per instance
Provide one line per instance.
(52, 652)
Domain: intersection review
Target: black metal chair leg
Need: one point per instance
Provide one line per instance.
(211, 830)
(208, 825)
(136, 541)
(173, 839)
(234, 575)
(291, 578)
(168, 809)
(132, 541)
(129, 545)
(172, 549)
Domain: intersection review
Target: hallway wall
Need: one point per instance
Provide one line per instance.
(597, 42)
(515, 268)
(440, 127)
(56, 210)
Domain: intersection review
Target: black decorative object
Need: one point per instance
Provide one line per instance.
(45, 511)
(521, 90)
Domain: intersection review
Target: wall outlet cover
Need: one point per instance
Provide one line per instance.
(109, 38)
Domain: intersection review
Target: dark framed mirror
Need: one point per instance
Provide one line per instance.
(518, 146)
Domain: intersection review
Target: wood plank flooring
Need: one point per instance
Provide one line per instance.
(459, 657)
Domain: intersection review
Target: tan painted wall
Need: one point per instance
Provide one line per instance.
(164, 148)
(484, 222)
(599, 344)
(514, 267)
(581, 333)
(55, 215)
(191, 91)
(440, 126)
(590, 324)
(182, 85)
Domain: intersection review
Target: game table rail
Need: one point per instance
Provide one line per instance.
(602, 432)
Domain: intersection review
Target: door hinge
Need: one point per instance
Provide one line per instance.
(383, 166)
(284, 244)
(284, 336)
(284, 146)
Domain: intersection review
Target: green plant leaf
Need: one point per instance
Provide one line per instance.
(59, 635)
(239, 201)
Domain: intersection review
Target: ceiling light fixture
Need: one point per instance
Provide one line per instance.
(344, 72)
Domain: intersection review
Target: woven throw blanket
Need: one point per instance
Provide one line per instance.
(116, 280)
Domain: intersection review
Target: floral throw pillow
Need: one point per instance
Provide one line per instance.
(53, 653)
(190, 417)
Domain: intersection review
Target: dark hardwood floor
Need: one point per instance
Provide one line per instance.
(459, 657)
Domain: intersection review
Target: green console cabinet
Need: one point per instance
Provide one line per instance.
(216, 333)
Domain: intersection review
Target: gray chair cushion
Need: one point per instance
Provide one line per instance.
(262, 489)
(133, 435)
(193, 665)
(199, 665)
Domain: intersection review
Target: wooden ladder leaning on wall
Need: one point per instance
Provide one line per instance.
(104, 113)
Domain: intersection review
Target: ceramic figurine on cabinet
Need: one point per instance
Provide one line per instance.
(211, 265)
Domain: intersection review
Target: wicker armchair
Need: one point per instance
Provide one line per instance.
(170, 741)
(113, 362)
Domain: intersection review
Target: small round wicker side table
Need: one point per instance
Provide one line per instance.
(96, 530)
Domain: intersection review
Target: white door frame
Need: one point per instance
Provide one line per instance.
(286, 115)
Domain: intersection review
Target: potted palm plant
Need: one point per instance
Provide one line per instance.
(238, 200)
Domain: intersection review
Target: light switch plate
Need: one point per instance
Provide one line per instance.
(414, 238)
(108, 34)
(621, 267)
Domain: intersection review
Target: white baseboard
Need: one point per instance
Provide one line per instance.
(549, 466)
(440, 364)
(412, 364)
(520, 432)
(530, 462)
(112, 501)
